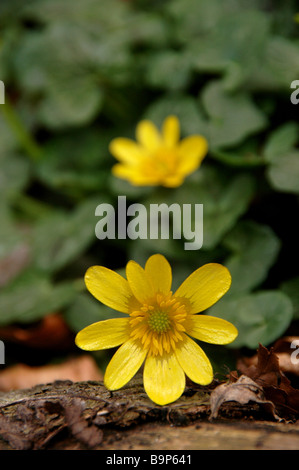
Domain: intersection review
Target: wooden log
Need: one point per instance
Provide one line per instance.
(85, 415)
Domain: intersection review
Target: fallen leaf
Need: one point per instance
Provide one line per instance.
(23, 376)
(51, 332)
(265, 370)
(243, 391)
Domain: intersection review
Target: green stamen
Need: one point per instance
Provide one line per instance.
(159, 321)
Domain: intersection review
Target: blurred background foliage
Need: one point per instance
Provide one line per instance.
(78, 73)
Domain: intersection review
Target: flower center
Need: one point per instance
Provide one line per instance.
(159, 324)
(162, 162)
(159, 321)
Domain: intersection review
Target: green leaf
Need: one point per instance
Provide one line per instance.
(32, 296)
(85, 310)
(104, 15)
(254, 248)
(53, 64)
(8, 140)
(261, 317)
(185, 107)
(11, 235)
(224, 198)
(246, 156)
(148, 27)
(192, 18)
(15, 175)
(232, 116)
(280, 65)
(281, 141)
(164, 64)
(226, 31)
(70, 101)
(75, 163)
(15, 168)
(62, 237)
(291, 289)
(283, 172)
(234, 46)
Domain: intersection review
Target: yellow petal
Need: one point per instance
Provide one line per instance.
(109, 288)
(103, 334)
(123, 171)
(134, 175)
(164, 379)
(192, 151)
(171, 131)
(212, 329)
(148, 135)
(194, 361)
(205, 286)
(125, 150)
(173, 181)
(124, 364)
(159, 271)
(139, 281)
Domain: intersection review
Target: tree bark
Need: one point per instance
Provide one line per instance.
(85, 415)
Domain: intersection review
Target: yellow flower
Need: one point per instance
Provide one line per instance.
(156, 331)
(158, 158)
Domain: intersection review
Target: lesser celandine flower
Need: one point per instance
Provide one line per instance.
(158, 158)
(159, 324)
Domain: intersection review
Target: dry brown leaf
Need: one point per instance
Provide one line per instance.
(23, 376)
(265, 370)
(243, 391)
(50, 332)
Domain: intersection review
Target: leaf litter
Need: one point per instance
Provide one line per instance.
(259, 380)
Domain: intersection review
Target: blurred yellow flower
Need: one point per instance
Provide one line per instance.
(156, 331)
(157, 158)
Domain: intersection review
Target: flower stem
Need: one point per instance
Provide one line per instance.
(19, 130)
(32, 207)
